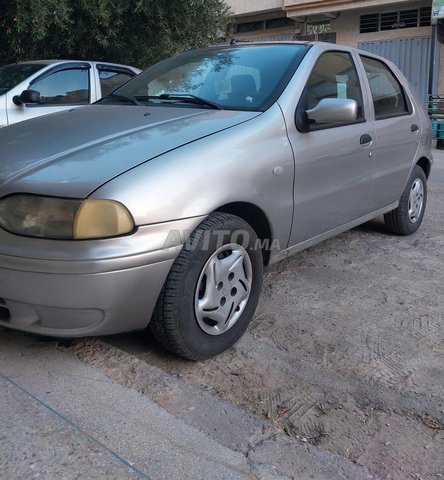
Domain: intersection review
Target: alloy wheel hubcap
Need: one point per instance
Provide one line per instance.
(223, 289)
(416, 200)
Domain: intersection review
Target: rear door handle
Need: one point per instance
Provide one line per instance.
(414, 128)
(366, 140)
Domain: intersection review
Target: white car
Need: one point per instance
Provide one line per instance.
(39, 87)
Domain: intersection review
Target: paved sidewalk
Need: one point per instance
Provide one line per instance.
(60, 418)
(37, 442)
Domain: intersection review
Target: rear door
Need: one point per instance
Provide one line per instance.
(111, 77)
(333, 163)
(397, 126)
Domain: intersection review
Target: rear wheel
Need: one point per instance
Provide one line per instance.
(407, 218)
(212, 290)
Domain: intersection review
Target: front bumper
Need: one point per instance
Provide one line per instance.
(83, 288)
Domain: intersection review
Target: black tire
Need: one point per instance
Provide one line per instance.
(174, 322)
(399, 221)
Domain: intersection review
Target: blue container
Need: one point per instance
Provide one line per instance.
(440, 131)
(435, 127)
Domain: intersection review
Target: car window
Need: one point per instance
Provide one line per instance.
(110, 80)
(333, 76)
(388, 95)
(64, 87)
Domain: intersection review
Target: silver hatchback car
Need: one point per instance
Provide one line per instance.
(161, 204)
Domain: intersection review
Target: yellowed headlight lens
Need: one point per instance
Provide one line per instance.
(101, 219)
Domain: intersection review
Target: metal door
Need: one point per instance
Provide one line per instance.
(411, 56)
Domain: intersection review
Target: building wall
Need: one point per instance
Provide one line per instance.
(346, 25)
(311, 7)
(347, 29)
(279, 34)
(242, 7)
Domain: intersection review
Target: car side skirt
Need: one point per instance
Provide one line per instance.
(282, 254)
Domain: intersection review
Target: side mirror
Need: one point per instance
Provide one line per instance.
(334, 110)
(27, 96)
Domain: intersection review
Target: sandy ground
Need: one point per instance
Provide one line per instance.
(345, 350)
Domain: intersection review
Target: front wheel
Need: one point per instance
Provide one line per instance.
(407, 218)
(212, 290)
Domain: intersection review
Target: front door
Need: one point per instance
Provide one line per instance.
(333, 163)
(59, 90)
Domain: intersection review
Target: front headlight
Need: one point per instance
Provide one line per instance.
(63, 218)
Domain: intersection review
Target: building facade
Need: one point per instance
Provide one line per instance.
(399, 30)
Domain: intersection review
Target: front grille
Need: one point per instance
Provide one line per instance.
(5, 315)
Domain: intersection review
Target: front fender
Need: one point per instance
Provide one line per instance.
(252, 162)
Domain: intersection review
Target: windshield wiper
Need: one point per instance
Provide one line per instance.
(124, 98)
(190, 98)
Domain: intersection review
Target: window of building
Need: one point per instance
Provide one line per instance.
(409, 18)
(389, 20)
(424, 16)
(249, 27)
(283, 22)
(378, 22)
(259, 25)
(388, 95)
(369, 23)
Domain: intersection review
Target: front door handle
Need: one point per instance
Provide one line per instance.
(366, 140)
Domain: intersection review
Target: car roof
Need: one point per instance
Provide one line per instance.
(45, 62)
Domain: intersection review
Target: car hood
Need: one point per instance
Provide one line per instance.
(74, 152)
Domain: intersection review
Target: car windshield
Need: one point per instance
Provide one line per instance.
(12, 75)
(237, 78)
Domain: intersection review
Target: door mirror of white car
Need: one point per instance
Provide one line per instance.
(27, 96)
(334, 110)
